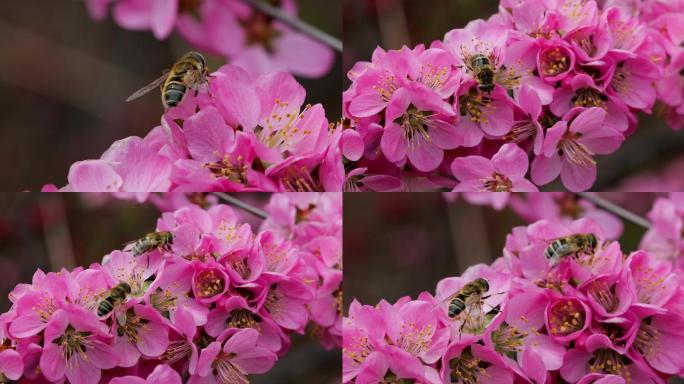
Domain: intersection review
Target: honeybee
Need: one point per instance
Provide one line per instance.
(472, 292)
(190, 71)
(116, 296)
(151, 241)
(570, 245)
(482, 68)
(467, 305)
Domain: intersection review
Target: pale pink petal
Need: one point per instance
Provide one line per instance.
(302, 55)
(94, 176)
(424, 155)
(393, 143)
(545, 169)
(511, 161)
(577, 178)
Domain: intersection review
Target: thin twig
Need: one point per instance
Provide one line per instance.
(242, 205)
(615, 209)
(297, 24)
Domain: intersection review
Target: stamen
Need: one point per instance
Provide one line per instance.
(567, 317)
(178, 350)
(589, 97)
(227, 372)
(609, 361)
(574, 151)
(415, 340)
(554, 62)
(497, 183)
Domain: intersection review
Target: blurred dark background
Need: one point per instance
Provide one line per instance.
(64, 78)
(398, 244)
(394, 23)
(52, 231)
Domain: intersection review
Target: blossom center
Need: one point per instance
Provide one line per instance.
(228, 373)
(576, 152)
(274, 302)
(357, 347)
(242, 318)
(74, 343)
(609, 361)
(649, 285)
(432, 77)
(567, 317)
(178, 350)
(615, 332)
(209, 282)
(554, 62)
(415, 123)
(508, 340)
(414, 339)
(465, 368)
(473, 104)
(647, 339)
(589, 97)
(497, 183)
(259, 30)
(521, 131)
(163, 300)
(386, 86)
(226, 169)
(604, 295)
(300, 180)
(132, 327)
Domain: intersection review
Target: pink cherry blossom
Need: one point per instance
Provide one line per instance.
(505, 172)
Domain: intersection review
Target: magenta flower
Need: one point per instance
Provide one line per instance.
(209, 283)
(505, 172)
(129, 165)
(569, 150)
(76, 347)
(230, 359)
(599, 357)
(143, 332)
(156, 15)
(418, 128)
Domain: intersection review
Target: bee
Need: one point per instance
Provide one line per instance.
(115, 297)
(485, 71)
(151, 241)
(472, 292)
(570, 245)
(190, 71)
(482, 68)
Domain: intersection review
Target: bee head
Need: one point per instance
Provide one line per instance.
(126, 287)
(197, 56)
(483, 283)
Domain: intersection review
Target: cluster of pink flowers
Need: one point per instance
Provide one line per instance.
(216, 304)
(597, 317)
(538, 90)
(229, 28)
(242, 133)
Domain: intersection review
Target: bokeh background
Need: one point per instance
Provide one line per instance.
(394, 23)
(54, 231)
(64, 78)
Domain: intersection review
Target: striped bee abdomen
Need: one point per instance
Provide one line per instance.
(173, 93)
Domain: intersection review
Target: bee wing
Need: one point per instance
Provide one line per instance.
(155, 84)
